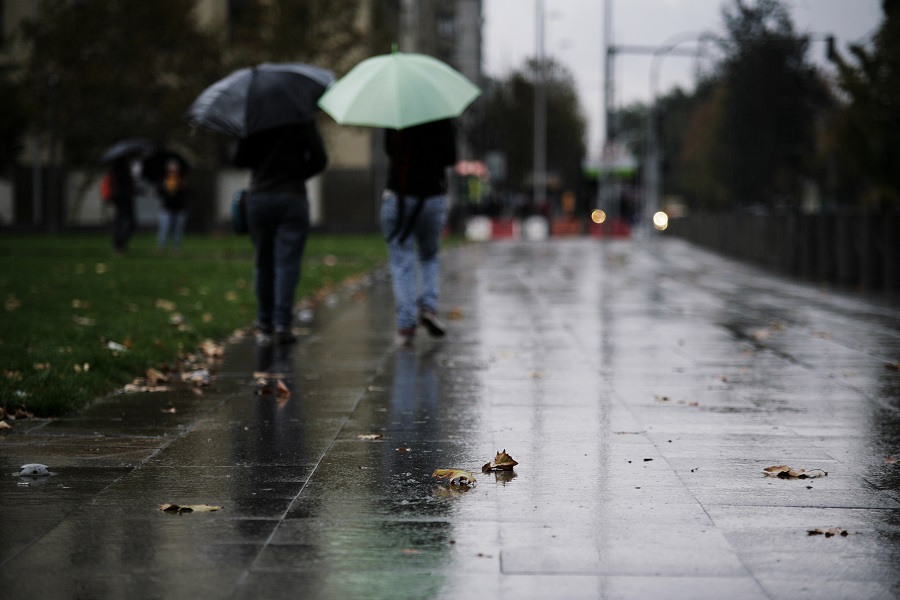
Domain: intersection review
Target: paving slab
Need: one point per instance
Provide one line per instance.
(642, 385)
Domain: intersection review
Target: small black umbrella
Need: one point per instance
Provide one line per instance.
(136, 147)
(257, 98)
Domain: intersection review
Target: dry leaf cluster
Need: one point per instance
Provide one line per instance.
(831, 532)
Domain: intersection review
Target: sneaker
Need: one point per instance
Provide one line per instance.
(284, 335)
(432, 323)
(406, 337)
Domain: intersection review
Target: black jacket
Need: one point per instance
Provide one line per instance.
(283, 158)
(419, 156)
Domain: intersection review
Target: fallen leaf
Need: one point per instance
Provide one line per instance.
(283, 391)
(892, 366)
(501, 462)
(831, 532)
(131, 388)
(211, 349)
(84, 321)
(170, 410)
(455, 314)
(786, 472)
(662, 398)
(164, 304)
(402, 450)
(369, 436)
(891, 460)
(5, 425)
(155, 377)
(459, 476)
(187, 508)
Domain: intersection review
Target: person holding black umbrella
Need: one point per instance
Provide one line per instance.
(271, 109)
(122, 191)
(282, 159)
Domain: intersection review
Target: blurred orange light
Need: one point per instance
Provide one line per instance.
(598, 216)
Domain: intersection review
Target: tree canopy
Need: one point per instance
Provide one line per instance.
(506, 124)
(866, 138)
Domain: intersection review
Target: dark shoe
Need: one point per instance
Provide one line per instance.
(284, 335)
(429, 319)
(406, 337)
(263, 327)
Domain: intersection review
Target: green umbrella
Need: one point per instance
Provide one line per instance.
(398, 90)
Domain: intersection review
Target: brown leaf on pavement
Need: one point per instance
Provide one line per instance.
(786, 472)
(187, 508)
(460, 476)
(369, 436)
(831, 532)
(501, 462)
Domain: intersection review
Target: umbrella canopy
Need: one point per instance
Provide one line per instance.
(398, 90)
(257, 98)
(129, 147)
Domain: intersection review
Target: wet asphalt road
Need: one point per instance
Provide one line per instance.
(642, 387)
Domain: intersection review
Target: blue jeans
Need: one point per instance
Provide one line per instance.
(422, 245)
(279, 226)
(171, 222)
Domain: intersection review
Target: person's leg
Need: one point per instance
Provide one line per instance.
(178, 226)
(162, 231)
(402, 260)
(262, 233)
(290, 242)
(428, 232)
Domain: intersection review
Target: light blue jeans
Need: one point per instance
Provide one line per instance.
(421, 249)
(171, 222)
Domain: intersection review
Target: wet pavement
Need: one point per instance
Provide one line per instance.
(642, 387)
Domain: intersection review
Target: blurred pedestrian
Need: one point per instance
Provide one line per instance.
(412, 220)
(282, 159)
(173, 194)
(121, 184)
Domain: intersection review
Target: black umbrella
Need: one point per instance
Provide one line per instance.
(154, 166)
(257, 98)
(129, 147)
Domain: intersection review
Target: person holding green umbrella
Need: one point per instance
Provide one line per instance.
(414, 97)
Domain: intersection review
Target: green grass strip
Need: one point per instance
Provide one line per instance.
(67, 301)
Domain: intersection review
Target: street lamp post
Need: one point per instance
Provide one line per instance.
(652, 179)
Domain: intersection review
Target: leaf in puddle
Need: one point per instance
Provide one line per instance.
(187, 508)
(369, 436)
(460, 476)
(830, 532)
(786, 472)
(501, 462)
